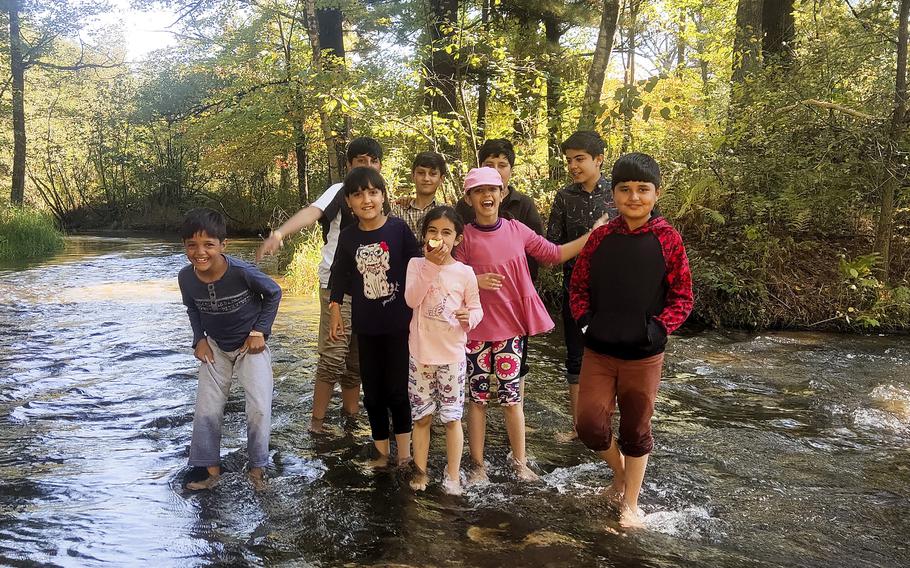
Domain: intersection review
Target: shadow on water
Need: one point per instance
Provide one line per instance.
(786, 449)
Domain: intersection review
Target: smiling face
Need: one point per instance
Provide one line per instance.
(366, 203)
(205, 254)
(426, 180)
(485, 200)
(584, 168)
(442, 229)
(635, 200)
(501, 164)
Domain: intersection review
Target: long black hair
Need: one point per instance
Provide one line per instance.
(440, 212)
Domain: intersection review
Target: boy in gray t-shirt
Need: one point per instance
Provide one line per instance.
(231, 305)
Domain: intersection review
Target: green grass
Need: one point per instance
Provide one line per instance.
(27, 233)
(302, 271)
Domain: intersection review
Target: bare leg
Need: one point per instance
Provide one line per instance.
(257, 478)
(515, 427)
(350, 400)
(322, 395)
(571, 435)
(617, 463)
(454, 449)
(403, 442)
(630, 516)
(421, 436)
(477, 427)
(382, 446)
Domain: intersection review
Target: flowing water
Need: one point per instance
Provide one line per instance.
(780, 449)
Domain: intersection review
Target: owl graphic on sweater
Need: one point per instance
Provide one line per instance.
(373, 264)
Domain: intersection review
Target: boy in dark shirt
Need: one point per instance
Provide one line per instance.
(231, 306)
(370, 264)
(499, 154)
(631, 287)
(575, 209)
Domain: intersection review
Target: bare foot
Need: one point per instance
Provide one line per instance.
(613, 493)
(257, 479)
(451, 486)
(478, 475)
(207, 483)
(566, 437)
(379, 463)
(419, 480)
(404, 463)
(316, 425)
(523, 472)
(630, 517)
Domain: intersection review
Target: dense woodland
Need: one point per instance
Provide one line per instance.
(781, 126)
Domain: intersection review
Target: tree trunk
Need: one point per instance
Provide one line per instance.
(779, 30)
(681, 42)
(325, 118)
(894, 168)
(629, 77)
(300, 153)
(483, 78)
(590, 107)
(17, 195)
(525, 51)
(441, 95)
(554, 154)
(748, 40)
(331, 42)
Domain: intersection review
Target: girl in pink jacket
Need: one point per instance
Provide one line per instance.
(444, 296)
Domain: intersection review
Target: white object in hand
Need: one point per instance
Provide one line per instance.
(434, 243)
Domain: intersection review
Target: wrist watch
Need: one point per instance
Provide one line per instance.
(255, 333)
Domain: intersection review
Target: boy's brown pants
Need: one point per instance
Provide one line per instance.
(606, 381)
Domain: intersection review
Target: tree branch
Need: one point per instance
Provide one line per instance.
(830, 106)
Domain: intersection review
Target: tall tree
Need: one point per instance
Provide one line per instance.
(441, 80)
(590, 106)
(17, 64)
(55, 19)
(320, 66)
(779, 30)
(331, 41)
(895, 169)
(748, 40)
(553, 33)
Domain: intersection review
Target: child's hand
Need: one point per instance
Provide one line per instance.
(272, 243)
(601, 221)
(203, 352)
(253, 345)
(463, 315)
(438, 255)
(490, 281)
(336, 325)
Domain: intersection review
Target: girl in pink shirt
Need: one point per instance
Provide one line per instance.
(444, 296)
(495, 248)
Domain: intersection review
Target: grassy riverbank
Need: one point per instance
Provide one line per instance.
(27, 233)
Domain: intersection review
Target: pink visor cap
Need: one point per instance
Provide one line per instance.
(482, 176)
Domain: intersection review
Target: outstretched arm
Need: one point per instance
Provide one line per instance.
(303, 218)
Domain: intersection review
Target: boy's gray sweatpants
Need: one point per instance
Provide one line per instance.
(255, 374)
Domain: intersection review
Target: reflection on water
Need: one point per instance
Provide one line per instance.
(787, 449)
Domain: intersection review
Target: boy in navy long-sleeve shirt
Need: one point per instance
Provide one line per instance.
(231, 306)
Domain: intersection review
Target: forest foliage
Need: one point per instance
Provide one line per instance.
(780, 126)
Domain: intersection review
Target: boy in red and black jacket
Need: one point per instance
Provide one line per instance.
(630, 288)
